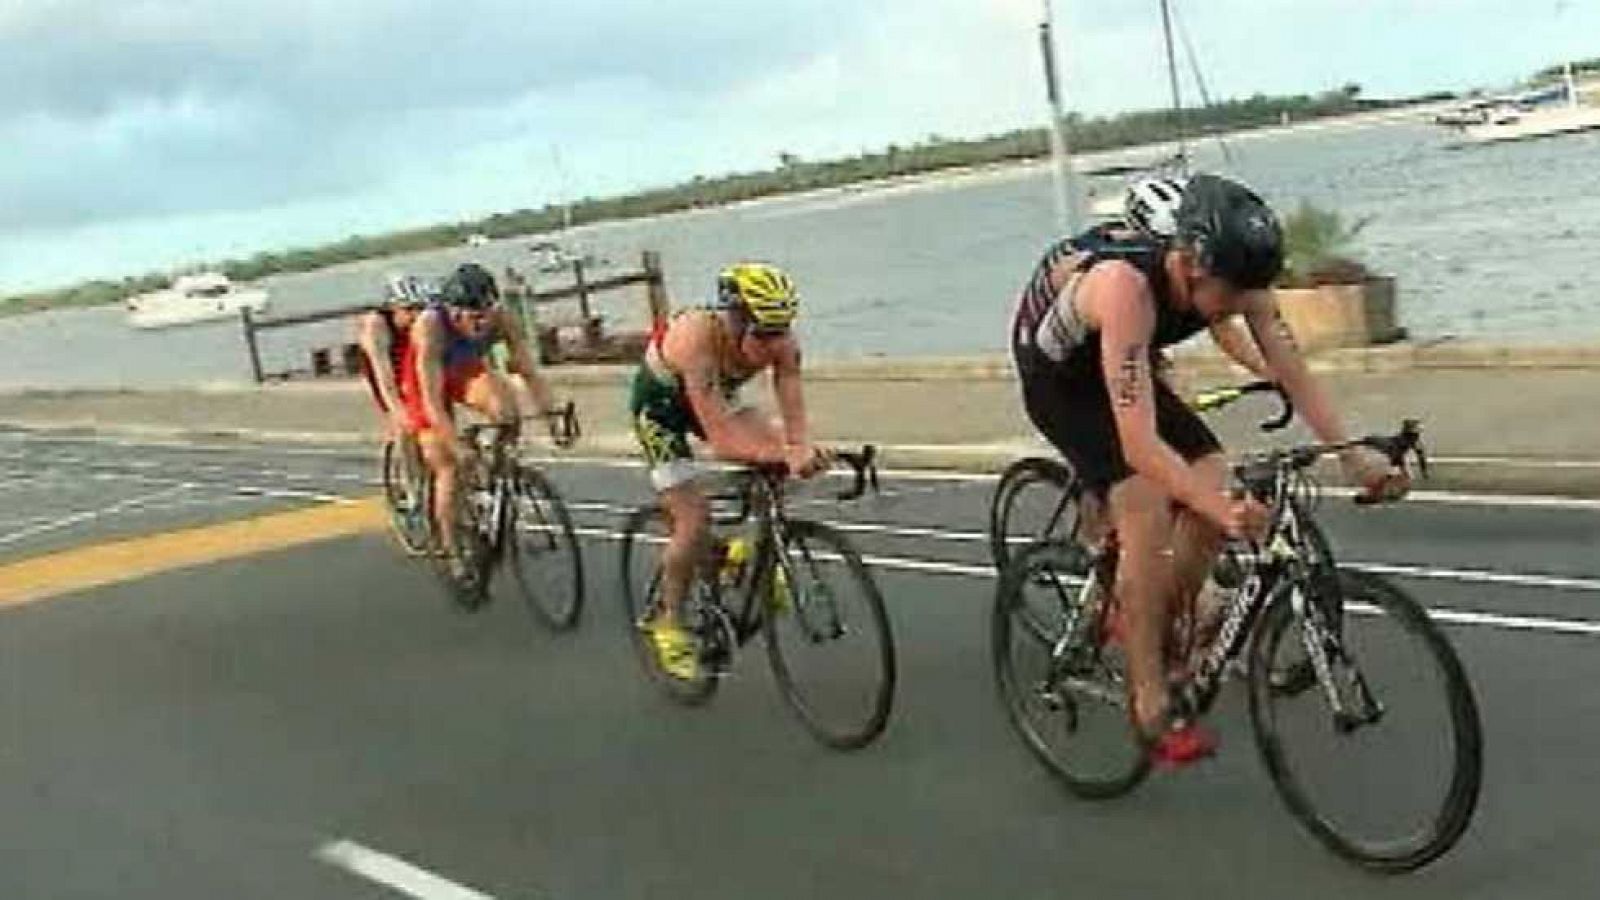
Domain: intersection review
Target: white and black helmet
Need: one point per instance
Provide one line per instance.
(1151, 205)
(410, 290)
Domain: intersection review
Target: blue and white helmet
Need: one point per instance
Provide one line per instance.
(1151, 205)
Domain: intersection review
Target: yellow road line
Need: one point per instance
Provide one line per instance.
(128, 559)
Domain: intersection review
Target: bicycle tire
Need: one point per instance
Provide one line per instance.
(549, 534)
(407, 504)
(1017, 477)
(640, 576)
(1042, 565)
(466, 594)
(811, 612)
(1461, 796)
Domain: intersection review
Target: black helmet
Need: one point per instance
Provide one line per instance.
(1232, 231)
(470, 286)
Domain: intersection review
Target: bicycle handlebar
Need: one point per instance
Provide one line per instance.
(863, 463)
(1397, 448)
(563, 423)
(1217, 398)
(564, 427)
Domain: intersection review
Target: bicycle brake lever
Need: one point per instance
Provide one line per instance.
(865, 466)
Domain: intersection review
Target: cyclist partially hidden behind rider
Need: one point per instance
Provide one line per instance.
(382, 334)
(687, 384)
(443, 362)
(1085, 336)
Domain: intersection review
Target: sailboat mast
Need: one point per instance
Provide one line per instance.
(1069, 203)
(1172, 79)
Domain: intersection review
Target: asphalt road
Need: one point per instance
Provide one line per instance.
(259, 727)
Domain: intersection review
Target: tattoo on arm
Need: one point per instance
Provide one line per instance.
(1131, 375)
(1283, 329)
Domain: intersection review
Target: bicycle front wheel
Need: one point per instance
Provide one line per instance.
(828, 637)
(547, 562)
(1380, 755)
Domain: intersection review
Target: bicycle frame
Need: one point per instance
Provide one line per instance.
(759, 491)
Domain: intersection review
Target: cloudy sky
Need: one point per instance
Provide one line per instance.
(138, 134)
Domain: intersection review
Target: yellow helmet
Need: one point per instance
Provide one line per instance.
(765, 292)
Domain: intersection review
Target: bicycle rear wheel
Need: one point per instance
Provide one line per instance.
(1392, 782)
(405, 493)
(547, 561)
(1064, 689)
(828, 636)
(1036, 499)
(643, 535)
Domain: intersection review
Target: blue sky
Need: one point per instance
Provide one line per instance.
(141, 134)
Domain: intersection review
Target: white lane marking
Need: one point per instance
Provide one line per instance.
(90, 515)
(1462, 498)
(1470, 576)
(1496, 620)
(1480, 576)
(1443, 614)
(394, 872)
(1519, 462)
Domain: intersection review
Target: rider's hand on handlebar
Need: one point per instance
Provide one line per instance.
(1379, 481)
(805, 460)
(1245, 518)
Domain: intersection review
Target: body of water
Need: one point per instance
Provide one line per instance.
(1489, 242)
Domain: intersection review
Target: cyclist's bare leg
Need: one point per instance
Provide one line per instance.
(1094, 520)
(440, 455)
(493, 397)
(1196, 541)
(688, 519)
(1142, 513)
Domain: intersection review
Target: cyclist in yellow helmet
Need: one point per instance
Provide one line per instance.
(687, 383)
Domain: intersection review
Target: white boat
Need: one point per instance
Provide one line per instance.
(203, 297)
(1533, 114)
(1517, 125)
(551, 258)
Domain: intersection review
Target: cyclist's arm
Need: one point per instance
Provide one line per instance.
(1233, 338)
(374, 340)
(791, 397)
(1117, 296)
(519, 360)
(430, 339)
(1283, 357)
(691, 350)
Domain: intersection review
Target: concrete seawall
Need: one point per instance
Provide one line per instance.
(1518, 419)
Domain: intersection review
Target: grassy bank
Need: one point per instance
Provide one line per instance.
(793, 174)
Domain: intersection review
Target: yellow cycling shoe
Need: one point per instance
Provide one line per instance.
(675, 648)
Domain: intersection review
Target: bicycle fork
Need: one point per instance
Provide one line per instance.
(1324, 649)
